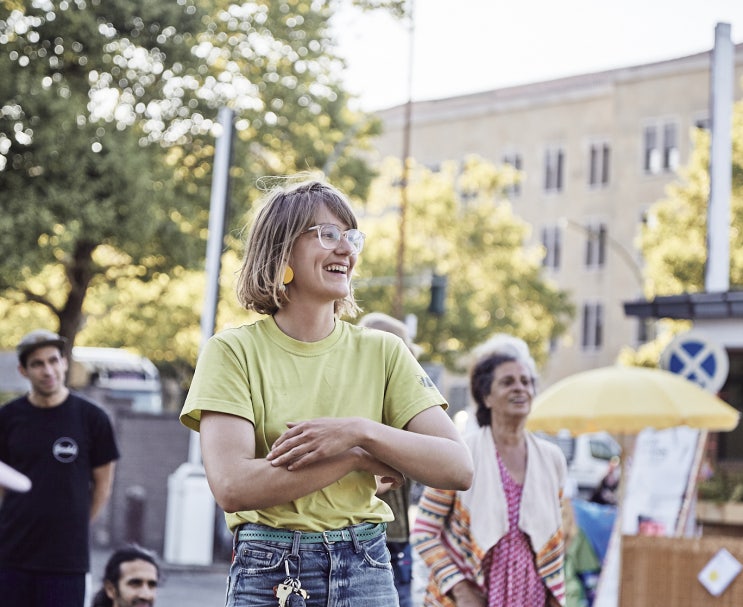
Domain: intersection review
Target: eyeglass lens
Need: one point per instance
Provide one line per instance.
(330, 236)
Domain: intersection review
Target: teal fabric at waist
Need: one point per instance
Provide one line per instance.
(363, 532)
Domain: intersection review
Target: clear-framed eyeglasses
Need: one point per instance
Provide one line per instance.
(330, 236)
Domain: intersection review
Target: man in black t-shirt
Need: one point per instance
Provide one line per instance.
(65, 445)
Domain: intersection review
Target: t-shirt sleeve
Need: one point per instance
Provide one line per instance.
(103, 444)
(409, 389)
(220, 383)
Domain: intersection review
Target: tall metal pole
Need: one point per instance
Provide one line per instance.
(399, 303)
(717, 270)
(215, 243)
(189, 521)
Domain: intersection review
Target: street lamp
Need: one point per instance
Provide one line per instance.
(615, 245)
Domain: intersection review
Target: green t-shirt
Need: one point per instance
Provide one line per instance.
(260, 374)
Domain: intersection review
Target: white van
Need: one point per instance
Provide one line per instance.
(113, 373)
(588, 457)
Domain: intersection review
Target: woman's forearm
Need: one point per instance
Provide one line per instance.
(428, 451)
(254, 484)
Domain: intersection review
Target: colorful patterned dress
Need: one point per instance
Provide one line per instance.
(512, 578)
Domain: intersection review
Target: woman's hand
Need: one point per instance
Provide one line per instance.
(467, 594)
(386, 476)
(312, 441)
(315, 440)
(383, 486)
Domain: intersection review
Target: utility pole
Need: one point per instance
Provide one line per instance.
(717, 267)
(399, 303)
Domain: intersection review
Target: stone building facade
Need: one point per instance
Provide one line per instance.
(595, 151)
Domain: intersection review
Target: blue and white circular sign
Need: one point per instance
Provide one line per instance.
(696, 357)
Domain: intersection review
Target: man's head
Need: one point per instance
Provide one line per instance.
(38, 339)
(42, 361)
(130, 579)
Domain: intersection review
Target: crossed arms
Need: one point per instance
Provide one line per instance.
(428, 450)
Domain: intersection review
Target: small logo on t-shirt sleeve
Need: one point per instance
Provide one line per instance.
(426, 381)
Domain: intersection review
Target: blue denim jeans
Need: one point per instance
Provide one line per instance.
(334, 574)
(402, 568)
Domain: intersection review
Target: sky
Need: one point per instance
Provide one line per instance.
(466, 46)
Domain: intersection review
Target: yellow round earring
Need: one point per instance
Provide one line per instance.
(288, 275)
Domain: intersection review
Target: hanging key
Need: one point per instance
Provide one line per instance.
(282, 592)
(290, 593)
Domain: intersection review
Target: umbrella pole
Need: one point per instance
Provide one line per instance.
(627, 443)
(690, 494)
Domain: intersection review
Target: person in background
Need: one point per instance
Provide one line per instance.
(65, 445)
(582, 565)
(300, 411)
(500, 542)
(398, 531)
(606, 492)
(130, 578)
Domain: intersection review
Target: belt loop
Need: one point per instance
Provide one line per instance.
(295, 543)
(356, 544)
(234, 542)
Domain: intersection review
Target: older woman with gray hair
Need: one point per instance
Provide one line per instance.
(501, 541)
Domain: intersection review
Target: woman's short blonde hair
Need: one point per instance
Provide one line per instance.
(286, 212)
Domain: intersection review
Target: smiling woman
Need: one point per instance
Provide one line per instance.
(500, 542)
(302, 390)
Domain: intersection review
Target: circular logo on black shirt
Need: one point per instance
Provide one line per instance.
(65, 450)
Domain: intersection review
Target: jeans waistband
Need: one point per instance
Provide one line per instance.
(362, 532)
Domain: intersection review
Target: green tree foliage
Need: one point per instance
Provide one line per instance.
(674, 237)
(457, 225)
(79, 83)
(107, 114)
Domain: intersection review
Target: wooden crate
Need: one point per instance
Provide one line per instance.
(659, 571)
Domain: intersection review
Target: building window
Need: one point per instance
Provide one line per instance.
(552, 243)
(514, 160)
(554, 160)
(465, 196)
(645, 330)
(596, 237)
(651, 162)
(598, 160)
(659, 154)
(592, 322)
(670, 147)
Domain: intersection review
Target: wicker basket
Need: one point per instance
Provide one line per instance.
(660, 571)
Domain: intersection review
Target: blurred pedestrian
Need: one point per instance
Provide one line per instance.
(130, 578)
(398, 530)
(608, 488)
(299, 411)
(65, 445)
(499, 543)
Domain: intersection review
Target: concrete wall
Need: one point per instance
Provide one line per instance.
(152, 447)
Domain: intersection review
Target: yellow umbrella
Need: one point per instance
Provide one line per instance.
(625, 400)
